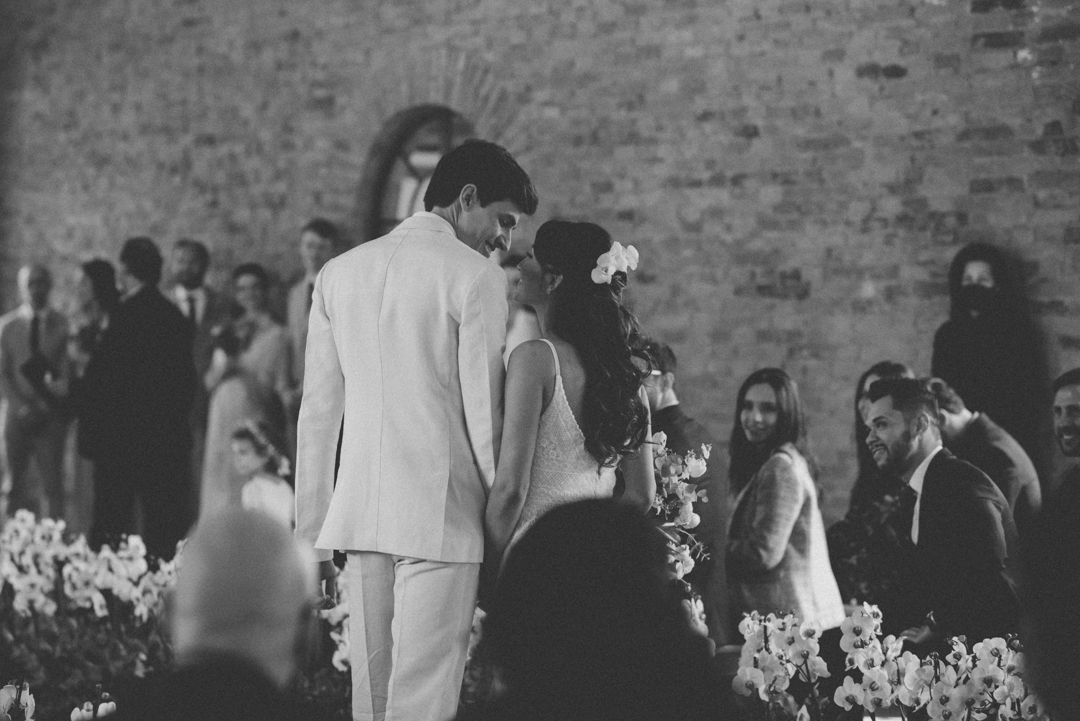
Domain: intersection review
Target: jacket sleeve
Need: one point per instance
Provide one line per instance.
(974, 593)
(481, 339)
(777, 500)
(321, 410)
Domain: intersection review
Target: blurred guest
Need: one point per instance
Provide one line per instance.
(241, 621)
(975, 438)
(990, 350)
(865, 545)
(136, 395)
(250, 377)
(263, 467)
(709, 578)
(587, 625)
(96, 298)
(204, 309)
(319, 241)
(33, 370)
(1054, 568)
(777, 557)
(954, 580)
(521, 322)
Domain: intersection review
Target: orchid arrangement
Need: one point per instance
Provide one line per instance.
(16, 702)
(72, 618)
(674, 501)
(776, 651)
(985, 682)
(618, 259)
(90, 710)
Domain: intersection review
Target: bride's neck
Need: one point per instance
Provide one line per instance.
(541, 310)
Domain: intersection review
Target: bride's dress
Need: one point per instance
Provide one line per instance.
(562, 470)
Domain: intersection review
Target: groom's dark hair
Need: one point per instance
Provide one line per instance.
(490, 167)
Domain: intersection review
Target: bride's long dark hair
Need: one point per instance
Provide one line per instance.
(591, 318)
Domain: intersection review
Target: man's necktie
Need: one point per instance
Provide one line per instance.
(35, 335)
(906, 514)
(191, 309)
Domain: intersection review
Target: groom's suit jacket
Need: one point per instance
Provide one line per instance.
(405, 341)
(959, 569)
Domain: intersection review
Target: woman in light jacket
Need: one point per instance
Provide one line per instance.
(777, 556)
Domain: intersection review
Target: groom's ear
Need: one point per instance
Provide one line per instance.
(468, 196)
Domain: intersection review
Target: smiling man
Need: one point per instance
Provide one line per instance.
(954, 578)
(405, 342)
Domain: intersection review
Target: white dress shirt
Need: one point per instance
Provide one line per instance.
(198, 295)
(916, 483)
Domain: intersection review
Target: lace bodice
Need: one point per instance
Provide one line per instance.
(562, 470)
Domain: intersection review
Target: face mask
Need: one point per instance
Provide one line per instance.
(977, 298)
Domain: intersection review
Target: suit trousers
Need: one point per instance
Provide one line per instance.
(40, 441)
(409, 630)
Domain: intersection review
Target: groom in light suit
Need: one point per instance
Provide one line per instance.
(405, 343)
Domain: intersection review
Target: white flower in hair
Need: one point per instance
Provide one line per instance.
(619, 258)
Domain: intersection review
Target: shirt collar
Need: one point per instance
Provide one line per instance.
(919, 476)
(182, 293)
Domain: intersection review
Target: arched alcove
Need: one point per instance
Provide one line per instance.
(400, 163)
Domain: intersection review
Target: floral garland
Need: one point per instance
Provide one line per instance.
(674, 501)
(985, 682)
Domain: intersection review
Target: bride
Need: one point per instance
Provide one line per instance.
(574, 408)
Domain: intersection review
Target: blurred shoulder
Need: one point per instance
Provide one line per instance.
(532, 356)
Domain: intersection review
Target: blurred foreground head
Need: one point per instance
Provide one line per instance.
(245, 589)
(586, 623)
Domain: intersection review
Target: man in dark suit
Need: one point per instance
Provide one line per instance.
(241, 622)
(204, 308)
(684, 434)
(137, 391)
(955, 580)
(975, 438)
(1054, 570)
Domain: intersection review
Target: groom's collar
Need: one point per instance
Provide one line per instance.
(423, 220)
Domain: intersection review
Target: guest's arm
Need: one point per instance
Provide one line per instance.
(778, 500)
(529, 386)
(637, 469)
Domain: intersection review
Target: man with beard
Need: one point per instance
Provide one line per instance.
(204, 309)
(1054, 571)
(955, 578)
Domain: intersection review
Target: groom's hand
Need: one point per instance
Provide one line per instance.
(326, 573)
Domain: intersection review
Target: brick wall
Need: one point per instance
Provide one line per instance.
(796, 174)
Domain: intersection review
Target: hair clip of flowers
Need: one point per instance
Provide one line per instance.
(619, 258)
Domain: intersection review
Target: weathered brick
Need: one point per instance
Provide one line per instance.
(997, 185)
(1003, 40)
(1062, 32)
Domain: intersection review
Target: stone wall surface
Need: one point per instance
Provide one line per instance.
(796, 173)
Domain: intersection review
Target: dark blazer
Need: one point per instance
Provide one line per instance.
(219, 310)
(215, 687)
(708, 578)
(987, 446)
(138, 387)
(959, 568)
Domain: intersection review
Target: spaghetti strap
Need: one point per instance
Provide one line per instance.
(552, 347)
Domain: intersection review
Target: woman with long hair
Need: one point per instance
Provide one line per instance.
(777, 557)
(574, 409)
(250, 379)
(864, 545)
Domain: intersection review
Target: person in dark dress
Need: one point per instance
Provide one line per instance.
(685, 434)
(135, 395)
(990, 351)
